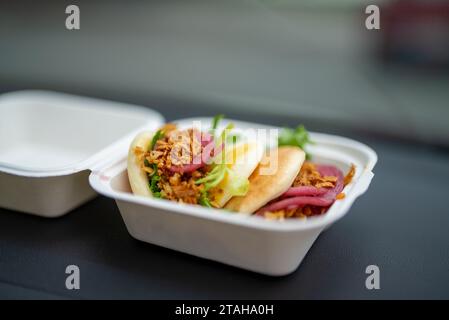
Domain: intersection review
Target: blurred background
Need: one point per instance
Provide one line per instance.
(310, 61)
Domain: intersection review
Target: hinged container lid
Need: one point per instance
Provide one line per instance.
(45, 133)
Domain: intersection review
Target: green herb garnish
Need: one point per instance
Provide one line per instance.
(158, 135)
(216, 121)
(298, 137)
(204, 200)
(154, 179)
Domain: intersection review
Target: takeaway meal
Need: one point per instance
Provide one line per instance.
(218, 169)
(298, 189)
(192, 166)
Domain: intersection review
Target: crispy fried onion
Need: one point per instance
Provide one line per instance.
(174, 158)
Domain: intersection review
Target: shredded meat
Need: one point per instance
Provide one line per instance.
(309, 176)
(182, 190)
(176, 147)
(348, 178)
(302, 213)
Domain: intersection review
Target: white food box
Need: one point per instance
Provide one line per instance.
(250, 242)
(52, 186)
(50, 143)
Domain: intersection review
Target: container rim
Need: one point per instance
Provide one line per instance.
(100, 181)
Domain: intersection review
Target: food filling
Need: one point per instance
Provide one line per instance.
(313, 191)
(188, 165)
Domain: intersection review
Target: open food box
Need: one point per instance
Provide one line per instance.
(57, 151)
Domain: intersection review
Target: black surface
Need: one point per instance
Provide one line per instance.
(401, 225)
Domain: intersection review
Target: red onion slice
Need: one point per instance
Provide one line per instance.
(200, 160)
(302, 196)
(206, 138)
(328, 170)
(297, 202)
(304, 191)
(186, 168)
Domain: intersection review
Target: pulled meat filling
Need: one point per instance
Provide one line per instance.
(175, 148)
(310, 176)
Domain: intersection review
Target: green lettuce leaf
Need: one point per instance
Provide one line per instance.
(298, 137)
(204, 200)
(158, 135)
(154, 180)
(215, 121)
(239, 185)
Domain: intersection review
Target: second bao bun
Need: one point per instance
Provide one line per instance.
(264, 188)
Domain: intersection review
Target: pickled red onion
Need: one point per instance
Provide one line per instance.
(200, 160)
(328, 170)
(304, 191)
(297, 202)
(296, 197)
